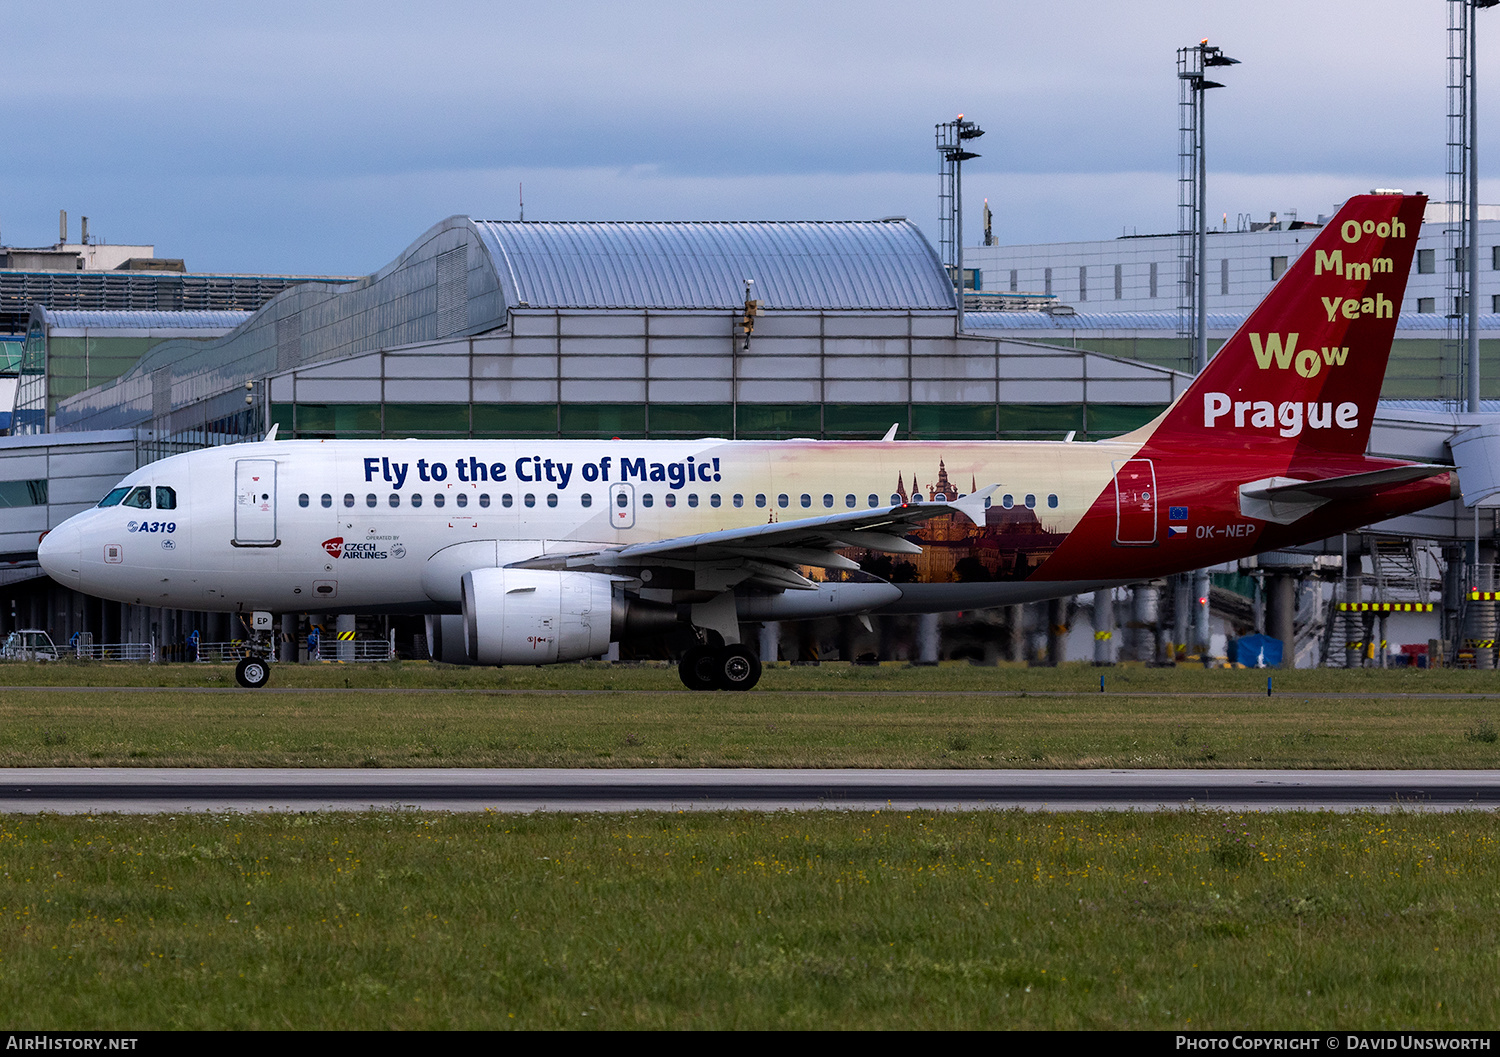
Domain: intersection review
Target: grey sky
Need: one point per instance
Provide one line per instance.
(326, 137)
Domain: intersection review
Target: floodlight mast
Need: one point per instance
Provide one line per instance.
(1192, 204)
(1471, 302)
(1193, 184)
(951, 136)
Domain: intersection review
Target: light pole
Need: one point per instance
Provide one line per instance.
(1472, 266)
(1192, 204)
(1191, 63)
(951, 137)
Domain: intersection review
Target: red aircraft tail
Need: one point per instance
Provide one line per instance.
(1303, 374)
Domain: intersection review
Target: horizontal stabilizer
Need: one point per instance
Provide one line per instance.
(1284, 500)
(1345, 487)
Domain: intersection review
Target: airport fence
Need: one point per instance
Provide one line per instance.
(115, 651)
(354, 650)
(222, 652)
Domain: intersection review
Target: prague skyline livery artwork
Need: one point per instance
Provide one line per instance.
(1012, 543)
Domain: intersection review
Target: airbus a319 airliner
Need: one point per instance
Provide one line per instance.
(535, 552)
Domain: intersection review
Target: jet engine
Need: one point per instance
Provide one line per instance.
(533, 616)
(528, 616)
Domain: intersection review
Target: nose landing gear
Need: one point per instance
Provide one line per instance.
(252, 673)
(719, 668)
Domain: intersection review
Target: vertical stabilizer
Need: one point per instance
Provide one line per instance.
(1304, 372)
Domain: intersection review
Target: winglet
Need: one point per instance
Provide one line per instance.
(890, 434)
(272, 435)
(971, 506)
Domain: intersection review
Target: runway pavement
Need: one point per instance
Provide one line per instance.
(97, 790)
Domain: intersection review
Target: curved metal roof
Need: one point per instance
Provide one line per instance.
(882, 264)
(112, 319)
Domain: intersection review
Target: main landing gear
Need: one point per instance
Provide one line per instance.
(719, 668)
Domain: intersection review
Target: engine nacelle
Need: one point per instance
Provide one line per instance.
(531, 616)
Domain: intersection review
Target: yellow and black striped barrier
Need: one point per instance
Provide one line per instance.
(1479, 644)
(1484, 596)
(1387, 607)
(346, 636)
(1101, 636)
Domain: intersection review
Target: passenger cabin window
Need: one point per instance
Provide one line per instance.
(505, 500)
(1052, 501)
(114, 497)
(586, 500)
(713, 500)
(760, 499)
(484, 499)
(370, 500)
(692, 499)
(782, 500)
(327, 500)
(849, 501)
(552, 499)
(1007, 501)
(416, 500)
(303, 500)
(348, 499)
(671, 499)
(874, 500)
(462, 499)
(739, 500)
(395, 499)
(437, 500)
(139, 497)
(530, 499)
(806, 500)
(647, 499)
(895, 500)
(1030, 501)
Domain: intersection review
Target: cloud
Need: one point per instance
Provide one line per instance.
(302, 138)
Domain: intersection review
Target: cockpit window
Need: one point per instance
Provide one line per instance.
(139, 496)
(114, 497)
(166, 498)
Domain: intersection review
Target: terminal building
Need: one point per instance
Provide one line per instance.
(1124, 296)
(597, 330)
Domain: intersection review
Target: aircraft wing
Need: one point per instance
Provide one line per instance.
(771, 552)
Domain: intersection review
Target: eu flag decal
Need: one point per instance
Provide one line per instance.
(1177, 513)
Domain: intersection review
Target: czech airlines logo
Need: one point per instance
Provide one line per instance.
(337, 549)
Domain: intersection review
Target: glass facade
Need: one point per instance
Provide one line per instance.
(681, 421)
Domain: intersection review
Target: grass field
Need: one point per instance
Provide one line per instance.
(831, 716)
(884, 920)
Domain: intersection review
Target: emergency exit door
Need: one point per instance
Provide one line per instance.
(1135, 502)
(622, 506)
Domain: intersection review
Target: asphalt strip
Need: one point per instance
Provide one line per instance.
(151, 791)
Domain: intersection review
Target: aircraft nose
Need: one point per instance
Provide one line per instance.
(59, 553)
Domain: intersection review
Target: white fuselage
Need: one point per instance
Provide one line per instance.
(361, 525)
